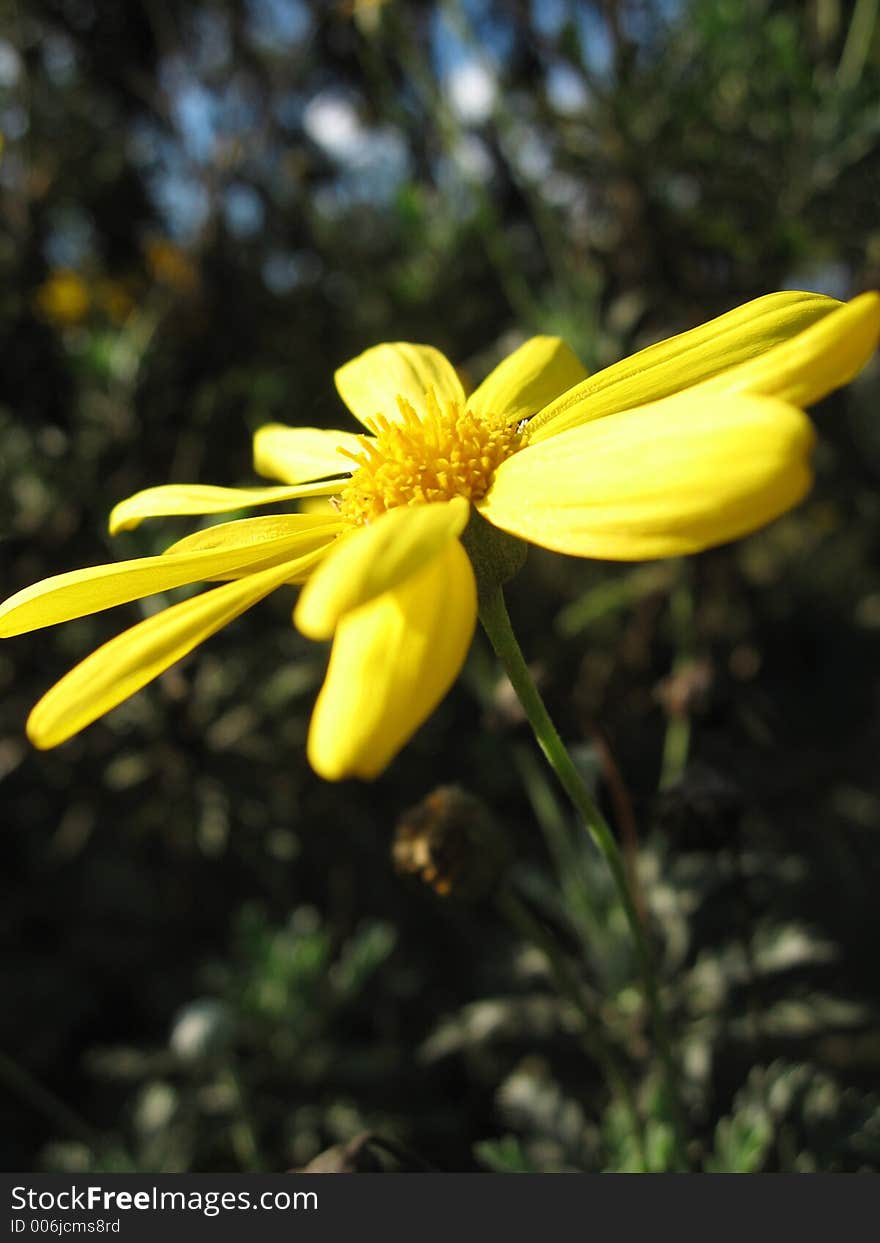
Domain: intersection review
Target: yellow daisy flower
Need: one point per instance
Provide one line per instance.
(689, 443)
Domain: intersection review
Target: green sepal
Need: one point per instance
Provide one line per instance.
(495, 555)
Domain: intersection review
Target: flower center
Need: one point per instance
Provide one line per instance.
(413, 461)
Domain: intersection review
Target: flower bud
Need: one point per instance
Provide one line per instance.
(452, 842)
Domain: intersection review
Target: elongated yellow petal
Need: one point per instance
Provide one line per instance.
(255, 532)
(300, 454)
(392, 661)
(682, 361)
(371, 383)
(528, 380)
(80, 592)
(660, 481)
(188, 499)
(815, 362)
(374, 559)
(131, 660)
(265, 534)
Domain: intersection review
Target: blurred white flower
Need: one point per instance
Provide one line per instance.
(472, 87)
(200, 1028)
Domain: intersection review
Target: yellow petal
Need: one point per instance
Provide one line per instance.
(815, 362)
(371, 383)
(392, 662)
(660, 481)
(299, 454)
(528, 380)
(295, 534)
(125, 664)
(375, 558)
(255, 532)
(320, 506)
(682, 361)
(80, 592)
(187, 499)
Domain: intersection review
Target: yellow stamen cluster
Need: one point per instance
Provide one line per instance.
(412, 461)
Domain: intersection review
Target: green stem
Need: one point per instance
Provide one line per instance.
(857, 47)
(242, 1132)
(496, 623)
(568, 984)
(677, 743)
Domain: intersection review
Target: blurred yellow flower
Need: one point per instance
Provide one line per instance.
(689, 443)
(63, 298)
(170, 266)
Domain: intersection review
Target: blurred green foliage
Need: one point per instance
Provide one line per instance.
(208, 960)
